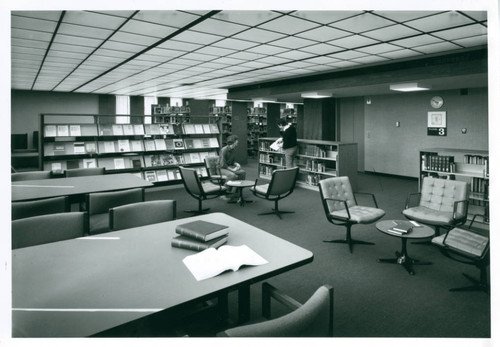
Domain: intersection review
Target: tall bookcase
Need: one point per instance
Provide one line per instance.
(257, 128)
(471, 166)
(151, 151)
(224, 114)
(316, 159)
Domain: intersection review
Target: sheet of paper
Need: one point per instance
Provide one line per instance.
(212, 262)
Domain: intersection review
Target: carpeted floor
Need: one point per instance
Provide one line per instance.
(371, 299)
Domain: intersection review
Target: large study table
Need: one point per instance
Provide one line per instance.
(84, 286)
(72, 186)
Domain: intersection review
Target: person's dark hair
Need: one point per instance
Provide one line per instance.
(232, 139)
(282, 122)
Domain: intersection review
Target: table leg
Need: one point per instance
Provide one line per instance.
(402, 258)
(241, 199)
(244, 304)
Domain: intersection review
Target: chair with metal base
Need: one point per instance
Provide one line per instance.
(282, 185)
(341, 208)
(199, 190)
(469, 247)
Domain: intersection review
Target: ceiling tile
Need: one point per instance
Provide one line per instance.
(33, 24)
(29, 43)
(345, 64)
(81, 41)
(400, 54)
(234, 44)
(321, 48)
(325, 17)
(436, 47)
(218, 27)
(273, 60)
(123, 13)
(295, 55)
(227, 61)
(71, 48)
(215, 51)
(473, 41)
(392, 32)
(148, 29)
(48, 15)
(122, 47)
(477, 15)
(288, 25)
(259, 35)
(292, 42)
(404, 16)
(347, 55)
(380, 48)
(267, 49)
(322, 60)
(417, 41)
(96, 19)
(247, 17)
(179, 46)
(245, 55)
(362, 23)
(323, 34)
(439, 21)
(254, 64)
(462, 32)
(131, 38)
(84, 31)
(353, 41)
(160, 54)
(198, 56)
(176, 19)
(196, 37)
(369, 59)
(30, 35)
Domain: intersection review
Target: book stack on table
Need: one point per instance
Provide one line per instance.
(200, 235)
(403, 227)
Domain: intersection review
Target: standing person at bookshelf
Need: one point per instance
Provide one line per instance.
(229, 167)
(289, 135)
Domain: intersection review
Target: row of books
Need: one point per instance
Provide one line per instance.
(257, 110)
(166, 159)
(125, 146)
(200, 235)
(220, 109)
(163, 175)
(434, 162)
(312, 151)
(73, 130)
(167, 109)
(313, 165)
(267, 158)
(475, 159)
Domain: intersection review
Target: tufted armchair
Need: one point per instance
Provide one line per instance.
(443, 203)
(341, 207)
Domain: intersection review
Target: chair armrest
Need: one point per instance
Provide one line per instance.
(345, 205)
(465, 209)
(268, 292)
(370, 194)
(408, 202)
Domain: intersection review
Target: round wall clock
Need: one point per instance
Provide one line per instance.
(437, 102)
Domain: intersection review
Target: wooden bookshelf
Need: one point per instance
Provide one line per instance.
(151, 151)
(256, 128)
(316, 159)
(471, 166)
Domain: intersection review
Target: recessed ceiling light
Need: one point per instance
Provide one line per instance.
(409, 87)
(316, 95)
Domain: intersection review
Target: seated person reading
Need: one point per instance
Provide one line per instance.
(229, 167)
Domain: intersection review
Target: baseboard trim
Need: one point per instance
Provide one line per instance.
(388, 175)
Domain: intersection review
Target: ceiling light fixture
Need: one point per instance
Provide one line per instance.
(316, 95)
(261, 100)
(409, 87)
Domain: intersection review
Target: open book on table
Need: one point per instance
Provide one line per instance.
(212, 262)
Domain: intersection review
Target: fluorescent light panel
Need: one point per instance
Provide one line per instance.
(316, 95)
(409, 87)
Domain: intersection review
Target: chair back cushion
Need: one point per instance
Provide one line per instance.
(212, 164)
(337, 188)
(29, 175)
(191, 181)
(102, 202)
(141, 213)
(283, 181)
(25, 209)
(466, 242)
(440, 195)
(93, 171)
(313, 319)
(48, 228)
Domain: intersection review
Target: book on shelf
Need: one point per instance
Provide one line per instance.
(171, 175)
(214, 142)
(170, 144)
(119, 163)
(75, 130)
(136, 163)
(109, 147)
(123, 146)
(161, 175)
(138, 129)
(50, 131)
(90, 147)
(150, 176)
(128, 129)
(155, 129)
(136, 145)
(214, 129)
(188, 143)
(105, 130)
(207, 129)
(198, 128)
(164, 129)
(188, 128)
(150, 145)
(160, 145)
(186, 158)
(178, 144)
(79, 148)
(73, 164)
(202, 230)
(62, 130)
(185, 242)
(117, 129)
(56, 166)
(195, 157)
(212, 262)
